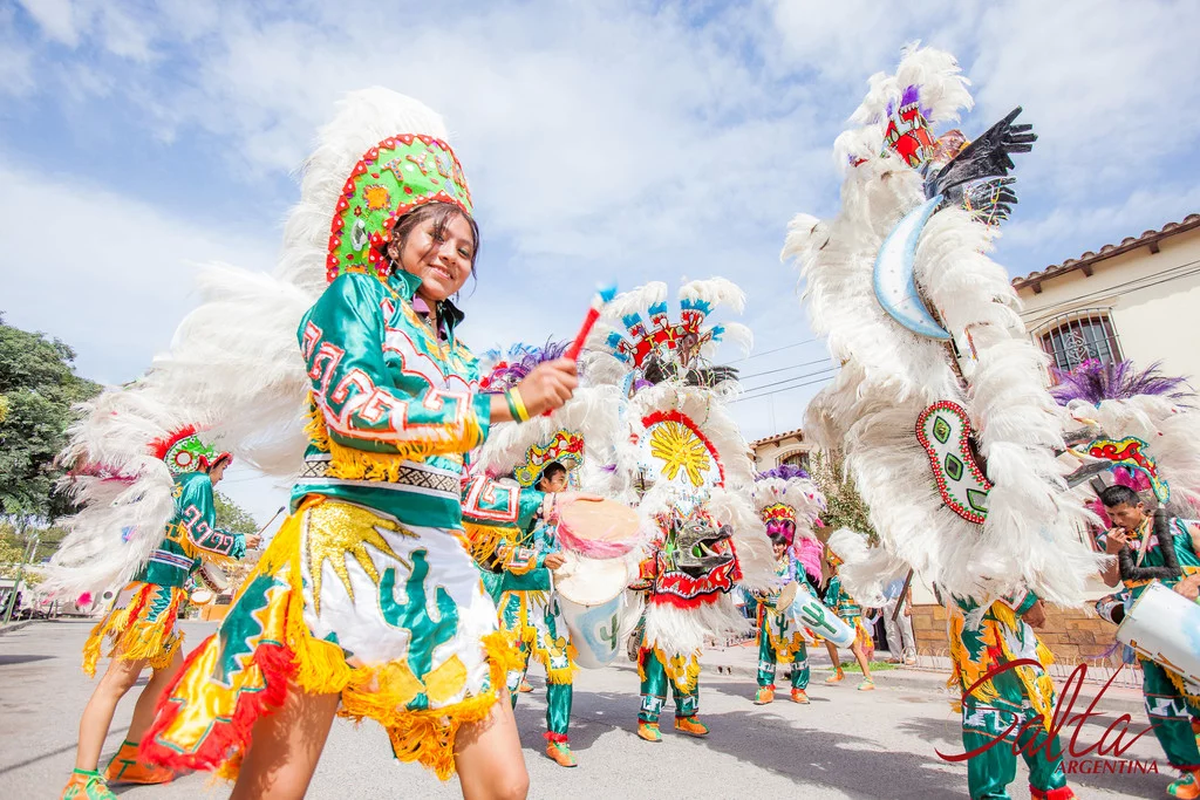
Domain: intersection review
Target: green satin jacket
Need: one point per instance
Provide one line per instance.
(192, 531)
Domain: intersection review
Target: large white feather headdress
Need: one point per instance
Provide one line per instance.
(895, 282)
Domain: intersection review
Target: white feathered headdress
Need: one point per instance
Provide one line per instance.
(236, 356)
(900, 284)
(118, 476)
(786, 494)
(682, 451)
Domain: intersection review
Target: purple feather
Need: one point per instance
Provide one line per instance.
(785, 472)
(508, 374)
(1096, 381)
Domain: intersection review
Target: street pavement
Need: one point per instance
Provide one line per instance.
(845, 744)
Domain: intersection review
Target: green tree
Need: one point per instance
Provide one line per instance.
(232, 517)
(844, 506)
(38, 386)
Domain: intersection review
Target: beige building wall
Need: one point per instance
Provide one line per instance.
(772, 451)
(1153, 300)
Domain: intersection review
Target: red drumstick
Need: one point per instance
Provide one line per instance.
(604, 294)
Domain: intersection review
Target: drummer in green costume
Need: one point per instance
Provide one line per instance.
(521, 563)
(1166, 552)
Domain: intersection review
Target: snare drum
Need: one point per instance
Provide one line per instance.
(590, 596)
(212, 577)
(212, 581)
(1162, 627)
(597, 528)
(202, 597)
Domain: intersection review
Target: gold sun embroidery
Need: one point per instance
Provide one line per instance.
(376, 197)
(679, 448)
(337, 530)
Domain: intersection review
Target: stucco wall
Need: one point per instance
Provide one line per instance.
(1153, 300)
(767, 456)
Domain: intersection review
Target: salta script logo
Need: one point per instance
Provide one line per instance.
(1104, 755)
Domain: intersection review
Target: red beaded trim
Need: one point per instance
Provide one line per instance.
(379, 240)
(934, 462)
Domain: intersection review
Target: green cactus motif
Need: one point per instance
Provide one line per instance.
(425, 635)
(609, 635)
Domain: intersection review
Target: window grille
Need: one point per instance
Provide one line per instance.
(796, 459)
(1080, 336)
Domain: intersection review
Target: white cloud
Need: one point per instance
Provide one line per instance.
(1110, 86)
(627, 140)
(56, 18)
(109, 275)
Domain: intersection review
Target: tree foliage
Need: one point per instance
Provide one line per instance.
(38, 386)
(232, 517)
(844, 506)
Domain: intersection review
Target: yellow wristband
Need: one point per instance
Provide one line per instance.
(517, 405)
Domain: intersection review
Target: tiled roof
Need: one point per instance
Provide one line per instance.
(779, 437)
(1087, 260)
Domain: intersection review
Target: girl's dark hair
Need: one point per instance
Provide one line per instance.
(440, 214)
(778, 538)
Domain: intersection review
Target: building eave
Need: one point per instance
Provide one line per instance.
(1086, 262)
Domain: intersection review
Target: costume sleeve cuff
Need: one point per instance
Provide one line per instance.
(483, 414)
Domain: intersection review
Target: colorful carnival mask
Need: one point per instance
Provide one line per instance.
(391, 179)
(696, 562)
(184, 452)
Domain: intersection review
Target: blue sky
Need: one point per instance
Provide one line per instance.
(637, 141)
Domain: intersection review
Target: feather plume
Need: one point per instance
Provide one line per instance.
(1033, 533)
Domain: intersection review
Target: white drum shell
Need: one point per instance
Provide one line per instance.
(1163, 626)
(819, 618)
(590, 596)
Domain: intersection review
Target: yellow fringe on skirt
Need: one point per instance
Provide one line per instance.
(378, 692)
(140, 630)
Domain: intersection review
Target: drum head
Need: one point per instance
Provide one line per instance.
(213, 577)
(592, 581)
(786, 595)
(202, 596)
(597, 528)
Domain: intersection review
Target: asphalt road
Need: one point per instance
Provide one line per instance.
(846, 744)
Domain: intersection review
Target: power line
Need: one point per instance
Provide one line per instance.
(784, 369)
(782, 382)
(773, 350)
(820, 376)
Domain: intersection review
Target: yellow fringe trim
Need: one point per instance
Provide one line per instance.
(133, 639)
(351, 463)
(529, 636)
(683, 671)
(1038, 685)
(486, 539)
(428, 736)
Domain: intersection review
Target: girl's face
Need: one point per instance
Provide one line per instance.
(442, 259)
(780, 548)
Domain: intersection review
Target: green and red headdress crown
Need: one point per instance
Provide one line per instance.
(184, 452)
(778, 512)
(566, 448)
(392, 178)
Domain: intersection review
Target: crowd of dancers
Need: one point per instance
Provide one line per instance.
(454, 518)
